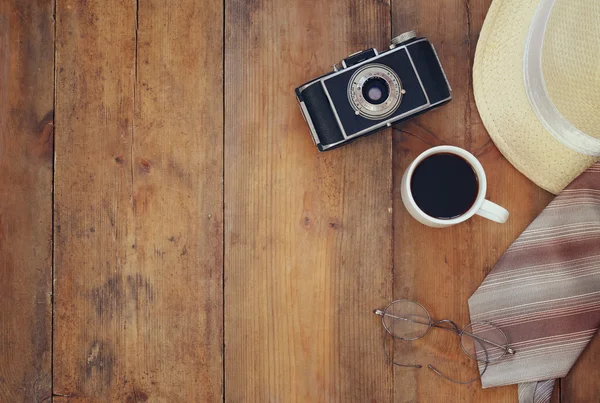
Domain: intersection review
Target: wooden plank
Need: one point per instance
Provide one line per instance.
(94, 263)
(307, 235)
(139, 202)
(26, 147)
(178, 198)
(442, 268)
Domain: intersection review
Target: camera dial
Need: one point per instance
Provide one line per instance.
(375, 91)
(400, 39)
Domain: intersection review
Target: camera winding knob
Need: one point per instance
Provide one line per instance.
(406, 36)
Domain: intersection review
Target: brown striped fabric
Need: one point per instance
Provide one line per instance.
(544, 292)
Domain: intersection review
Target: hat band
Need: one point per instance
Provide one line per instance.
(554, 122)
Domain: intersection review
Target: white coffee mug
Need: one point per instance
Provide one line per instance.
(482, 207)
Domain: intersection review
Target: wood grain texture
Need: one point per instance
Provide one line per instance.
(26, 142)
(138, 314)
(442, 268)
(178, 199)
(95, 299)
(307, 234)
(159, 130)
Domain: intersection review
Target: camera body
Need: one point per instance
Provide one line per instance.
(372, 91)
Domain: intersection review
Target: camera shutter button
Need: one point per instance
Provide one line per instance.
(406, 36)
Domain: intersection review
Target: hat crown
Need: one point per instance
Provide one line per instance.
(571, 62)
(517, 70)
(561, 68)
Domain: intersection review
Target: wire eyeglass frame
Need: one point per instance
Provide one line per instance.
(442, 324)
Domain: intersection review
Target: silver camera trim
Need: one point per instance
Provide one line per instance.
(355, 53)
(387, 122)
(311, 126)
(365, 108)
(443, 72)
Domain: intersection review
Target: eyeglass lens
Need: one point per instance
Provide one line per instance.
(484, 342)
(406, 320)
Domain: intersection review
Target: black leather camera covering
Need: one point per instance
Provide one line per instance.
(321, 114)
(337, 86)
(430, 71)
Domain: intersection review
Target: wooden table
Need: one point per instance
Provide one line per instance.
(168, 231)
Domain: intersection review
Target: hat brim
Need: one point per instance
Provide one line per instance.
(503, 104)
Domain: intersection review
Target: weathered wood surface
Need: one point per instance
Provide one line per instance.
(138, 194)
(204, 250)
(307, 235)
(26, 141)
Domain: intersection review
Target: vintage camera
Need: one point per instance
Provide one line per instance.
(373, 90)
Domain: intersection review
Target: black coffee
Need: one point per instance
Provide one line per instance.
(444, 186)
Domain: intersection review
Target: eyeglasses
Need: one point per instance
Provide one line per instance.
(408, 320)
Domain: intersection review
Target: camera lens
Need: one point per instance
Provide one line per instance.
(376, 90)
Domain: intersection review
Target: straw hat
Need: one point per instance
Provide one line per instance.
(536, 79)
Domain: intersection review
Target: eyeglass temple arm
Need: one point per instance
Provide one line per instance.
(390, 360)
(509, 350)
(440, 373)
(431, 367)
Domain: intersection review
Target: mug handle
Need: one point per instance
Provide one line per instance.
(493, 212)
